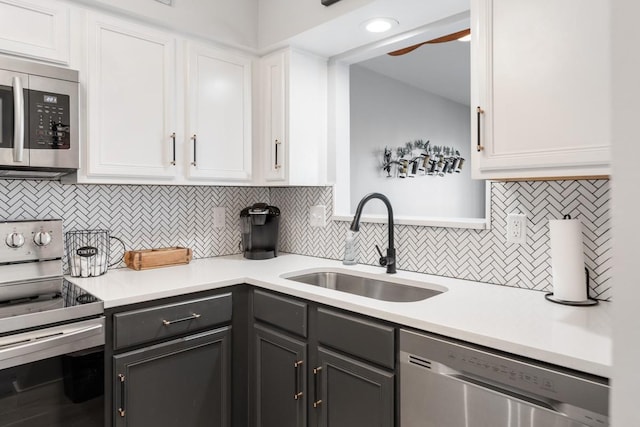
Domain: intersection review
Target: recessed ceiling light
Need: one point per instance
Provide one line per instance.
(379, 25)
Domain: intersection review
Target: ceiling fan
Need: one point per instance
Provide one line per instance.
(443, 39)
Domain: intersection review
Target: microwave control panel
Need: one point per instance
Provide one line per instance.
(49, 121)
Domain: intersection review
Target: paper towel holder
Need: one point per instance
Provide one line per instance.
(586, 303)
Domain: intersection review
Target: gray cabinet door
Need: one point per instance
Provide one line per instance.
(184, 382)
(280, 379)
(352, 393)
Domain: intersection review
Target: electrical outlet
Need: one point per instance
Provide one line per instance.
(219, 214)
(517, 228)
(317, 217)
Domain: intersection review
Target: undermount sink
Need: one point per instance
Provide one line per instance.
(366, 286)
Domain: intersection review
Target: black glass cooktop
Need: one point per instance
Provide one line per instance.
(42, 302)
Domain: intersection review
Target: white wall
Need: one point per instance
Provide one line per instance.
(386, 112)
(232, 22)
(626, 177)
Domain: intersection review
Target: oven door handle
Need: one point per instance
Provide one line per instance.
(18, 120)
(19, 347)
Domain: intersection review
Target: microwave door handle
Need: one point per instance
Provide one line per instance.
(18, 120)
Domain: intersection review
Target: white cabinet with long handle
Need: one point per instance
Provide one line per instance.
(218, 114)
(131, 101)
(540, 88)
(163, 109)
(293, 143)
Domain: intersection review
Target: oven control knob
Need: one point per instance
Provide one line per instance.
(14, 240)
(42, 238)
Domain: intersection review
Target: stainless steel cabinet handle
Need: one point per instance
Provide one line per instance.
(195, 143)
(18, 120)
(184, 319)
(480, 112)
(277, 164)
(316, 402)
(121, 410)
(173, 138)
(296, 379)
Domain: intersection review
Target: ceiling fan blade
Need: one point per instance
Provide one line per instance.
(447, 38)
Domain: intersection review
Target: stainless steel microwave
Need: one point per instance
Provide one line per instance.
(38, 120)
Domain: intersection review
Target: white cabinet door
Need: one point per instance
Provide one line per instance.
(219, 115)
(36, 29)
(131, 100)
(294, 121)
(273, 74)
(540, 74)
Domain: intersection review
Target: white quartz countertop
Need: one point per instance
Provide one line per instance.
(514, 320)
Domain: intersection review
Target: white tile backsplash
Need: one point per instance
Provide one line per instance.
(158, 216)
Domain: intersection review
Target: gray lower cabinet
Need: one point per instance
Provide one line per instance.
(280, 379)
(350, 393)
(347, 360)
(184, 382)
(171, 363)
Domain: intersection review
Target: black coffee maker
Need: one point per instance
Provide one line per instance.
(260, 225)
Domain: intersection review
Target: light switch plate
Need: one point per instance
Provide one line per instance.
(317, 216)
(219, 214)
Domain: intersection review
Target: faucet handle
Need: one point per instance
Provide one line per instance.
(383, 259)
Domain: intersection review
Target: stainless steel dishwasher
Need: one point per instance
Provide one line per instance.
(444, 383)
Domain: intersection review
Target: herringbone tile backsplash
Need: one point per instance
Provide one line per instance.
(481, 255)
(143, 216)
(159, 216)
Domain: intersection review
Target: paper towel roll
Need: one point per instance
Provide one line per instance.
(567, 260)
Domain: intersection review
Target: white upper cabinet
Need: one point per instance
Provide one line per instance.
(218, 114)
(131, 100)
(37, 29)
(540, 76)
(293, 142)
(162, 109)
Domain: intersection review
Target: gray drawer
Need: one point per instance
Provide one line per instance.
(155, 323)
(285, 313)
(357, 336)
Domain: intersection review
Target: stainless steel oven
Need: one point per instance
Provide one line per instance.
(38, 120)
(51, 334)
(444, 383)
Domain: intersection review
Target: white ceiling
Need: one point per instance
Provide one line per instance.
(345, 32)
(441, 68)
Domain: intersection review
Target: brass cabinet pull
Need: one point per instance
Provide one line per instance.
(184, 319)
(121, 410)
(316, 402)
(296, 380)
(276, 164)
(479, 111)
(173, 138)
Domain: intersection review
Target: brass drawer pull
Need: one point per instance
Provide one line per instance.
(316, 402)
(121, 411)
(296, 379)
(184, 319)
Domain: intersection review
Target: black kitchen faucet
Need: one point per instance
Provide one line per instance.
(390, 260)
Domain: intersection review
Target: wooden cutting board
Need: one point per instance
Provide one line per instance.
(155, 258)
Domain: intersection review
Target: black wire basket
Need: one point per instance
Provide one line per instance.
(89, 252)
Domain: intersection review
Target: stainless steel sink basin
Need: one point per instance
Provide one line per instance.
(366, 286)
